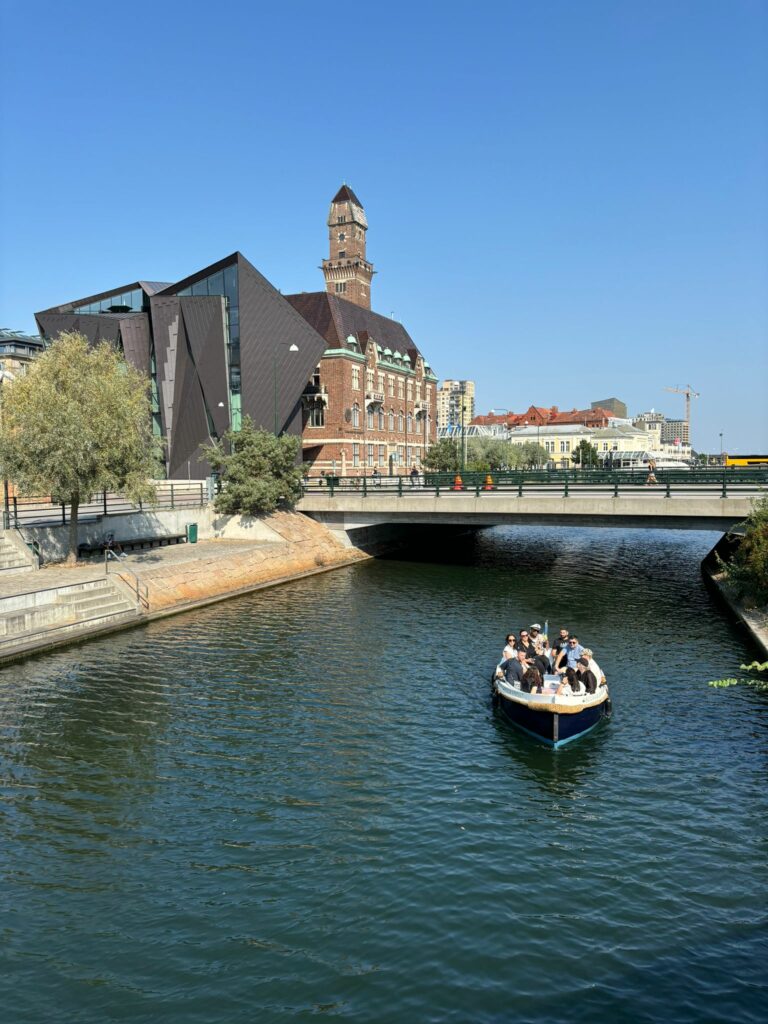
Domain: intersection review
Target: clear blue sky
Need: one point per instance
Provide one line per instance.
(567, 201)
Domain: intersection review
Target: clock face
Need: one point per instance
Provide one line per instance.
(358, 215)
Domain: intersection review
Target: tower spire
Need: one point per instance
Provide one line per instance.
(347, 272)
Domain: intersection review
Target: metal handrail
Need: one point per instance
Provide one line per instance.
(143, 599)
(565, 483)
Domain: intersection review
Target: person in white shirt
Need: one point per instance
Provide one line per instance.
(594, 667)
(510, 647)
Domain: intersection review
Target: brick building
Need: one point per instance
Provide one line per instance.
(538, 416)
(371, 400)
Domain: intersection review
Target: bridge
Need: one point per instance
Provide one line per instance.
(678, 501)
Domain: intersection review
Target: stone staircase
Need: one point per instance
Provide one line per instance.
(15, 556)
(62, 613)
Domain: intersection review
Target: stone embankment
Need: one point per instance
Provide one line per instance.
(299, 546)
(43, 608)
(754, 620)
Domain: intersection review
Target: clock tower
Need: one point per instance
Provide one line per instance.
(348, 273)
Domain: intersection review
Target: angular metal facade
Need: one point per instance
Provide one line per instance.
(185, 340)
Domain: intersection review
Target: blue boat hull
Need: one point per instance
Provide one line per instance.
(551, 727)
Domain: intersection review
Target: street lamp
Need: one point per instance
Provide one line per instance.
(291, 348)
(721, 447)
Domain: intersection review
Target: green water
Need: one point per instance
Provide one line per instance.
(301, 804)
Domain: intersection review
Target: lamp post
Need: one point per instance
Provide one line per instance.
(291, 348)
(721, 447)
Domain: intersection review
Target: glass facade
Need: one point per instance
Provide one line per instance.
(121, 302)
(224, 282)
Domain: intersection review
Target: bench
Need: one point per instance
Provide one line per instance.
(118, 546)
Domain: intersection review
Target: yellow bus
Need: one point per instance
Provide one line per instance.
(746, 460)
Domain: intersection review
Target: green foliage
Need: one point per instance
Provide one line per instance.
(443, 456)
(488, 454)
(77, 423)
(258, 471)
(748, 569)
(585, 455)
(530, 455)
(757, 684)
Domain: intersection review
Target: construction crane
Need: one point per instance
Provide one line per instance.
(689, 394)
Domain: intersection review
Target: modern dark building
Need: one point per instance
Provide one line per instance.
(218, 345)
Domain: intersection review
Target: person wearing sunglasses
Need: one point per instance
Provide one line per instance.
(510, 647)
(569, 654)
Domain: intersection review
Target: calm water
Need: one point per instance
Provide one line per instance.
(300, 804)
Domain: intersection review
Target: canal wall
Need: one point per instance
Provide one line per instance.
(53, 541)
(754, 620)
(295, 546)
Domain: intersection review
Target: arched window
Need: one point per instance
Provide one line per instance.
(370, 418)
(391, 419)
(355, 415)
(381, 418)
(400, 423)
(410, 423)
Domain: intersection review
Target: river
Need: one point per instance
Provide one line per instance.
(300, 804)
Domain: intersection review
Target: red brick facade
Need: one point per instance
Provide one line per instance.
(371, 402)
(365, 409)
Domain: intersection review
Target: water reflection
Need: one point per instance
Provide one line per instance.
(301, 801)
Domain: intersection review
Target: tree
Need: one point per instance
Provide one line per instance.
(78, 422)
(585, 455)
(488, 454)
(443, 456)
(531, 454)
(258, 471)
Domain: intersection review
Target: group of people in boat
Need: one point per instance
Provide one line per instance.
(528, 658)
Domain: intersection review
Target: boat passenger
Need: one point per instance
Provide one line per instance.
(526, 643)
(513, 669)
(572, 678)
(541, 659)
(586, 677)
(531, 681)
(535, 631)
(569, 654)
(594, 667)
(560, 642)
(510, 647)
(564, 689)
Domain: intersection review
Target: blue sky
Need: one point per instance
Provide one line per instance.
(567, 201)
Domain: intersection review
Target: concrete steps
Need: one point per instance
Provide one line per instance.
(40, 618)
(15, 556)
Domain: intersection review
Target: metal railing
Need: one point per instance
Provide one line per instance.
(142, 596)
(554, 482)
(41, 511)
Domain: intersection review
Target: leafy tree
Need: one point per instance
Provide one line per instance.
(488, 454)
(443, 456)
(78, 422)
(748, 568)
(258, 471)
(585, 455)
(530, 454)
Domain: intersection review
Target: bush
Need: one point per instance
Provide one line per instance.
(258, 471)
(748, 569)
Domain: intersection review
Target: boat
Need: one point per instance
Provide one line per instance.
(545, 716)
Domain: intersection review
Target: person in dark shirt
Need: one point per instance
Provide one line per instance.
(526, 643)
(585, 676)
(560, 643)
(513, 669)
